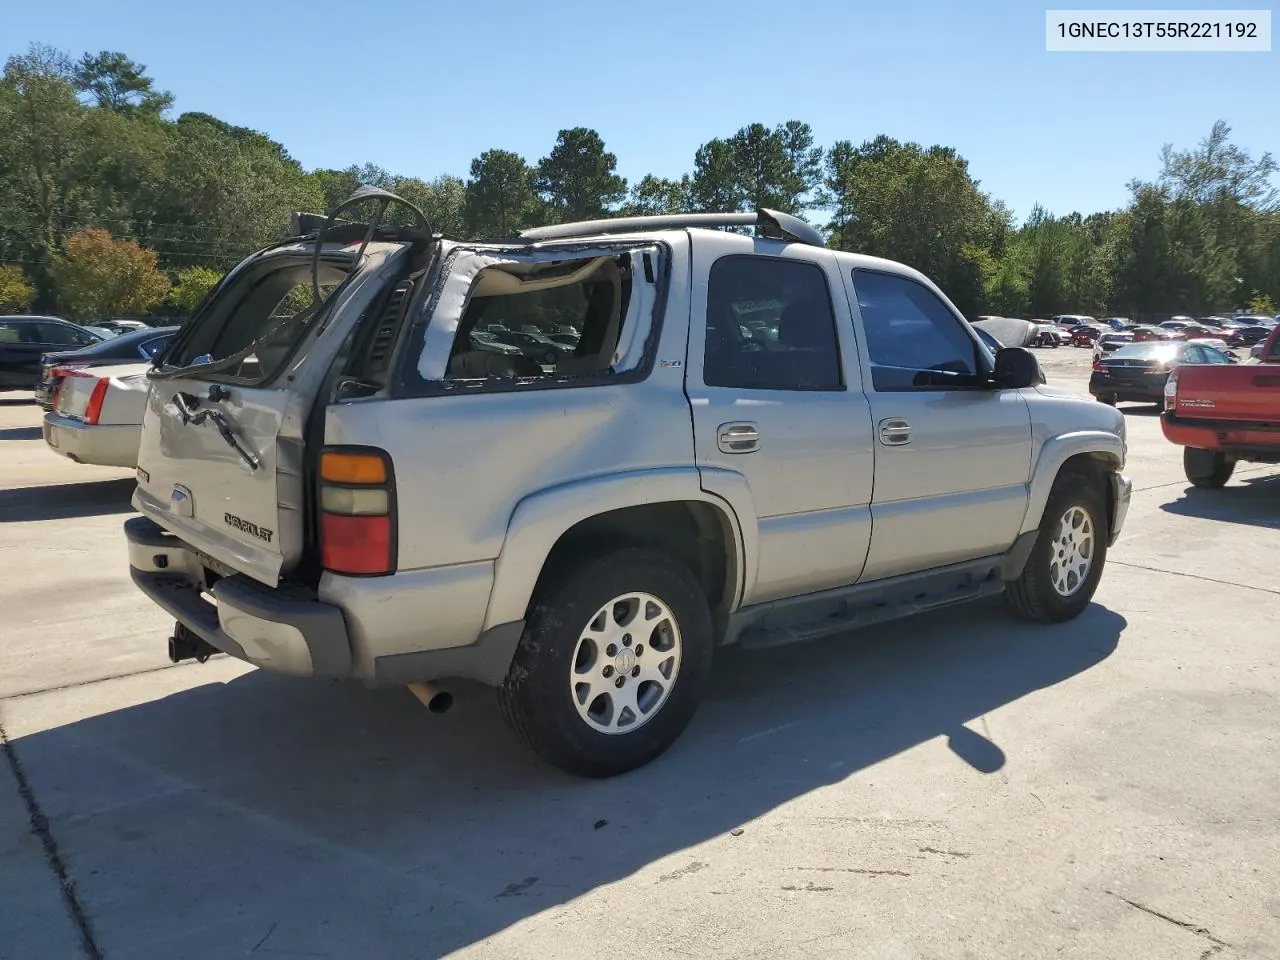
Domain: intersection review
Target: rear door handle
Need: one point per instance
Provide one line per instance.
(894, 432)
(738, 437)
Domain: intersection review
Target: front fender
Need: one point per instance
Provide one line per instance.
(1057, 451)
(542, 518)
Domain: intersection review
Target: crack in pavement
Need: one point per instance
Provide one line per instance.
(86, 683)
(40, 828)
(1192, 576)
(1189, 927)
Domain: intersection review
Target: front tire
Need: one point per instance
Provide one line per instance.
(615, 653)
(1065, 565)
(1207, 469)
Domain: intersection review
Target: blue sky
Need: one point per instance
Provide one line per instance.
(422, 86)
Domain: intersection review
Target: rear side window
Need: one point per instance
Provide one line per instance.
(556, 320)
(770, 326)
(10, 333)
(62, 335)
(914, 341)
(151, 347)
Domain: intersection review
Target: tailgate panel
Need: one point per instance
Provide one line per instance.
(1244, 392)
(192, 479)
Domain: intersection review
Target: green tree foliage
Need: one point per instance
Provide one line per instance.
(97, 276)
(913, 204)
(757, 167)
(16, 292)
(190, 287)
(1262, 305)
(89, 143)
(117, 83)
(576, 180)
(652, 196)
(500, 197)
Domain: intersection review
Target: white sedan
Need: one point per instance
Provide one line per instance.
(97, 415)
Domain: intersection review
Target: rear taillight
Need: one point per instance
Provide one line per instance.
(357, 511)
(93, 409)
(1171, 390)
(1097, 364)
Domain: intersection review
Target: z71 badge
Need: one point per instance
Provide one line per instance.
(246, 526)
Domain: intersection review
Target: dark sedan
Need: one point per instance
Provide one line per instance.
(24, 340)
(1138, 372)
(135, 347)
(1240, 335)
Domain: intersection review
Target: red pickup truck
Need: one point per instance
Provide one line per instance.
(1223, 414)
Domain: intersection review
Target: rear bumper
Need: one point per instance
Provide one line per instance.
(1148, 387)
(1242, 440)
(290, 629)
(106, 445)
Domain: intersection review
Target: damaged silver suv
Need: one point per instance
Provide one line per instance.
(572, 463)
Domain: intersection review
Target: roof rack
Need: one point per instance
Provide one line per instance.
(770, 223)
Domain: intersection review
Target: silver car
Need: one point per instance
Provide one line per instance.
(755, 440)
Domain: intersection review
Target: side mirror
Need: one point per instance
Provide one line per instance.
(1017, 368)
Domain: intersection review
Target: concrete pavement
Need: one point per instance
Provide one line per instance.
(959, 785)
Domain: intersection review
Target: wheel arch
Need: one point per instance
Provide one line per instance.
(1092, 453)
(664, 509)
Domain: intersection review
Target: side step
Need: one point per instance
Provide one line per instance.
(830, 612)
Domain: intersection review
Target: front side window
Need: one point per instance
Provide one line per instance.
(770, 326)
(914, 341)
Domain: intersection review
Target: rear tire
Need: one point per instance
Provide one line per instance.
(560, 695)
(1207, 469)
(1108, 398)
(1066, 562)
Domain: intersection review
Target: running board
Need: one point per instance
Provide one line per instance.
(830, 612)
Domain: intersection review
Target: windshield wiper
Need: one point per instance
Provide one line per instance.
(186, 406)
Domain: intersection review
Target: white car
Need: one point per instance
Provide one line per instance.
(97, 415)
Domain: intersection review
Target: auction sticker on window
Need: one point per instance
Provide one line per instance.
(1170, 31)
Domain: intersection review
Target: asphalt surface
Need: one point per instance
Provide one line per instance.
(961, 785)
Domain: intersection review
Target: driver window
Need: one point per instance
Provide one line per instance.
(914, 341)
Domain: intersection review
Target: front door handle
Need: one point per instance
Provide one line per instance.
(738, 437)
(894, 432)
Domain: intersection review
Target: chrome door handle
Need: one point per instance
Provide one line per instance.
(738, 437)
(894, 432)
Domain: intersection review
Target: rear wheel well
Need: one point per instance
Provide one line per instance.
(697, 534)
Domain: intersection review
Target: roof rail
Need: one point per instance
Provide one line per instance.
(770, 223)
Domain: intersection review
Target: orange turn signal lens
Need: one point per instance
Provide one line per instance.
(339, 467)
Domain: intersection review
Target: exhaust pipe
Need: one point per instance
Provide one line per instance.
(186, 645)
(432, 697)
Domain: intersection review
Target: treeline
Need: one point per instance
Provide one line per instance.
(108, 205)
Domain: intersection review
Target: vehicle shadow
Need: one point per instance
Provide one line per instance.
(1254, 502)
(21, 433)
(1140, 409)
(62, 501)
(312, 814)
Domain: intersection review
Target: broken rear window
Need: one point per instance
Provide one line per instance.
(262, 315)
